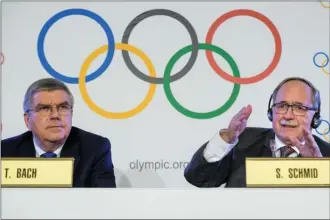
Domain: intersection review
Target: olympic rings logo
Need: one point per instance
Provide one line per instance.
(151, 78)
(324, 5)
(326, 130)
(324, 63)
(2, 58)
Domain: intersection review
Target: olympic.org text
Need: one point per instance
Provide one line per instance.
(157, 165)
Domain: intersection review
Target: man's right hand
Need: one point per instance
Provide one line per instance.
(236, 125)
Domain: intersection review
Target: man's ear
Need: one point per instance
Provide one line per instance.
(26, 120)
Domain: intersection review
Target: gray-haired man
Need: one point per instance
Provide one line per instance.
(294, 109)
(48, 111)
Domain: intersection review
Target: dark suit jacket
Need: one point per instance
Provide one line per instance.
(253, 142)
(92, 153)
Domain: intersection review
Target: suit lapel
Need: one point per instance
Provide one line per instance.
(267, 152)
(26, 148)
(71, 148)
(322, 145)
(261, 146)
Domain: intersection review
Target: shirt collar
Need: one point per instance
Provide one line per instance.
(279, 144)
(40, 151)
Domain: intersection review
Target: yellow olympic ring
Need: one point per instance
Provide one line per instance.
(324, 134)
(116, 115)
(324, 5)
(323, 67)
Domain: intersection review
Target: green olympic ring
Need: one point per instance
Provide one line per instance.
(187, 112)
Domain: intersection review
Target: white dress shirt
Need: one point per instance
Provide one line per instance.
(217, 149)
(279, 144)
(40, 151)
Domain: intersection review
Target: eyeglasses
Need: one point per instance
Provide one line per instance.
(46, 110)
(298, 110)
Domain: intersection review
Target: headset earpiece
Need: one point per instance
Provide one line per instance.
(270, 111)
(270, 115)
(316, 121)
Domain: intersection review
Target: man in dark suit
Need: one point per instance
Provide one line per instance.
(48, 110)
(294, 113)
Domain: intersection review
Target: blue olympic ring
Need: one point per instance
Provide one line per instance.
(322, 54)
(328, 129)
(57, 17)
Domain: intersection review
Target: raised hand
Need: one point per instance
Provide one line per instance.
(237, 124)
(309, 148)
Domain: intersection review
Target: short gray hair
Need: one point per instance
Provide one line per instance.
(316, 99)
(47, 84)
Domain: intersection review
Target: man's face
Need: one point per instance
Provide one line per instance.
(48, 123)
(293, 92)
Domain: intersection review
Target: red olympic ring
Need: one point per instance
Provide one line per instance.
(272, 28)
(2, 58)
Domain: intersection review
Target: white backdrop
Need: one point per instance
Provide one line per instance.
(160, 133)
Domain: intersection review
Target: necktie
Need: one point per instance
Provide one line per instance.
(49, 155)
(286, 151)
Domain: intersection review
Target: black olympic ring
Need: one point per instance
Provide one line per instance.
(176, 16)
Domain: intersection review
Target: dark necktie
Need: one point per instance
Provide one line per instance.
(49, 155)
(286, 151)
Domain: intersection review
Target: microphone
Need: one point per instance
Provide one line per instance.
(272, 145)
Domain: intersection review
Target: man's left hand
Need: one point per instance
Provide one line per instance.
(309, 148)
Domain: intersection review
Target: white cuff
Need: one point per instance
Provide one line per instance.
(217, 149)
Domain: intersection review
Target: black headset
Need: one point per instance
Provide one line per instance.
(317, 120)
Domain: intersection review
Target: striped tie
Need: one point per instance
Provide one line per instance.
(286, 151)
